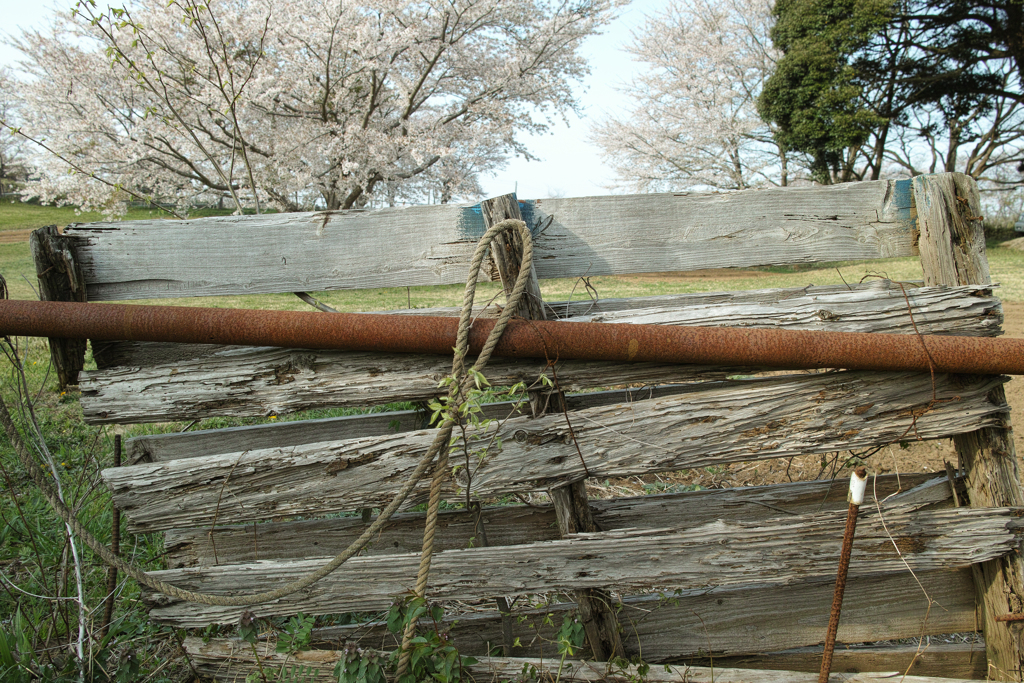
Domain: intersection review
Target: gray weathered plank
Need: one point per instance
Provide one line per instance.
(712, 424)
(735, 622)
(205, 442)
(515, 525)
(781, 551)
(952, 660)
(580, 236)
(247, 382)
(506, 669)
(225, 659)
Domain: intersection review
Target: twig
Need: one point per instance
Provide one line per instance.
(216, 511)
(315, 303)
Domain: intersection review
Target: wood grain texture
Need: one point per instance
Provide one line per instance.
(501, 669)
(308, 252)
(729, 422)
(952, 660)
(60, 278)
(780, 551)
(953, 252)
(224, 659)
(201, 443)
(520, 524)
(252, 382)
(507, 255)
(736, 622)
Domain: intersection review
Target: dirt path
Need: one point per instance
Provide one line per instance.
(14, 236)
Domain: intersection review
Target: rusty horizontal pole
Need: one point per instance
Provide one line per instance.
(740, 347)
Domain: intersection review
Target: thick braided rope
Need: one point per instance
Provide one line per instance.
(462, 385)
(439, 444)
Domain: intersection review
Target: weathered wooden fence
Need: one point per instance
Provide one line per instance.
(748, 572)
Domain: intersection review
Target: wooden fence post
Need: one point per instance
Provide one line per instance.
(60, 279)
(570, 502)
(952, 243)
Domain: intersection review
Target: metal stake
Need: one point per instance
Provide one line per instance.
(858, 483)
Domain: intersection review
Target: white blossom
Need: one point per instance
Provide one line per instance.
(294, 102)
(692, 120)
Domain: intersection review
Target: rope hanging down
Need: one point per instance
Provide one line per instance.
(439, 448)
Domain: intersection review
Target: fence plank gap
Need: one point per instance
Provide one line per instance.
(781, 551)
(521, 524)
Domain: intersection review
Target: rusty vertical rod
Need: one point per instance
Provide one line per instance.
(115, 547)
(858, 483)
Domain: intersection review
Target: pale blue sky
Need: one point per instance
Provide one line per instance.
(569, 167)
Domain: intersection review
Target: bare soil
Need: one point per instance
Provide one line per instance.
(917, 456)
(14, 236)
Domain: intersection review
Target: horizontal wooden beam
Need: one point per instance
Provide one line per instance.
(733, 421)
(250, 382)
(502, 669)
(206, 442)
(936, 658)
(224, 659)
(521, 524)
(574, 237)
(660, 628)
(781, 551)
(727, 623)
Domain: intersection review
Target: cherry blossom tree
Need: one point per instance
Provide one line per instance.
(692, 121)
(12, 146)
(293, 103)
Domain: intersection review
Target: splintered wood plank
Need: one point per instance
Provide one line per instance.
(782, 551)
(574, 237)
(736, 622)
(259, 382)
(519, 524)
(206, 442)
(506, 669)
(225, 659)
(956, 660)
(734, 421)
(665, 629)
(251, 382)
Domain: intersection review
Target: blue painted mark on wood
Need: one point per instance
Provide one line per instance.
(903, 200)
(470, 224)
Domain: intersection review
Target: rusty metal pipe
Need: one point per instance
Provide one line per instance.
(748, 347)
(855, 498)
